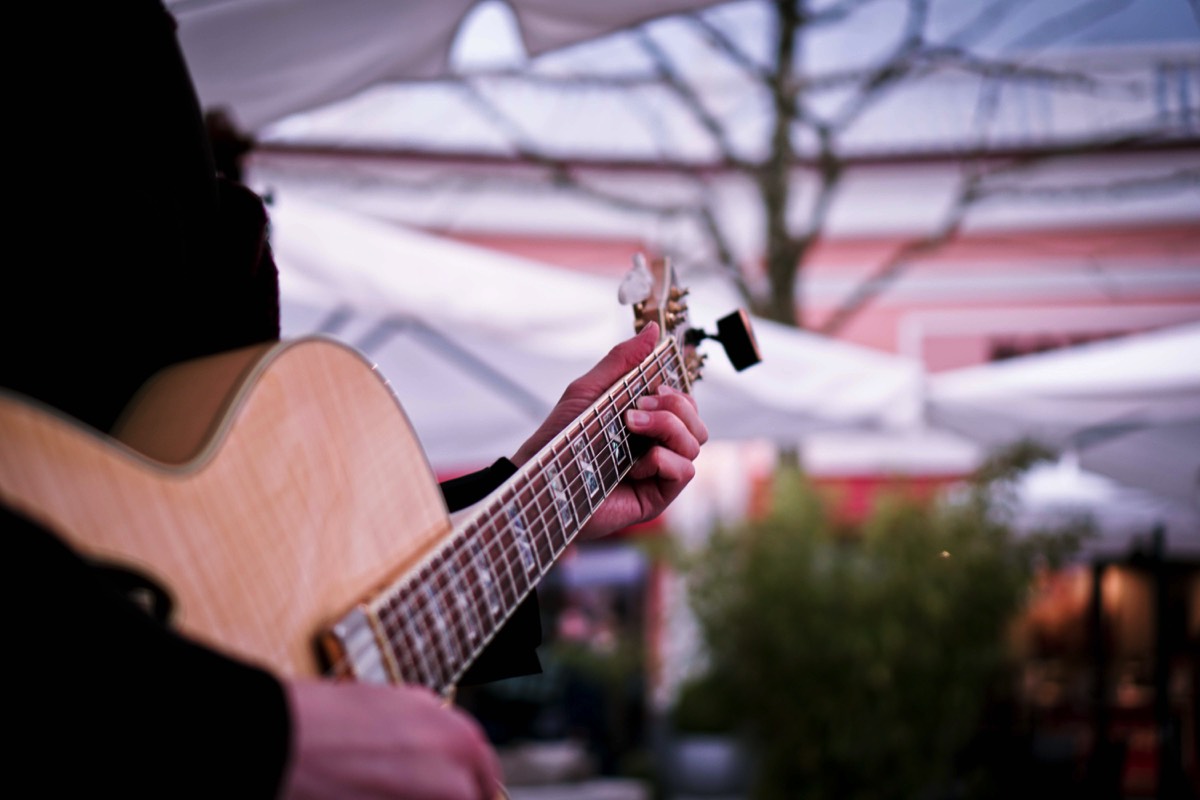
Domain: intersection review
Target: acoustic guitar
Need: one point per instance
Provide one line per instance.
(282, 496)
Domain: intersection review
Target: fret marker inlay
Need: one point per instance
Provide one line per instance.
(587, 469)
(616, 439)
(521, 536)
(487, 580)
(561, 500)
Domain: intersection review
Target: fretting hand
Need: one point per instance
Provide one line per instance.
(668, 418)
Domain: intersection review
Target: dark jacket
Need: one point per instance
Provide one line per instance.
(137, 256)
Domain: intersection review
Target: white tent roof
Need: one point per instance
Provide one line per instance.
(478, 345)
(1123, 518)
(265, 59)
(1129, 407)
(636, 117)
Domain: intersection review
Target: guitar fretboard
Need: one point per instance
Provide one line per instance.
(435, 621)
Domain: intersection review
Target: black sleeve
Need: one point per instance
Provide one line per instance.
(513, 652)
(105, 697)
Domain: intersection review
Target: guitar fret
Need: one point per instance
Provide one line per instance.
(594, 446)
(439, 656)
(572, 478)
(479, 601)
(498, 553)
(585, 468)
(418, 645)
(457, 624)
(393, 620)
(487, 581)
(543, 547)
(519, 528)
(615, 435)
(556, 482)
(545, 512)
(638, 387)
(465, 609)
(436, 618)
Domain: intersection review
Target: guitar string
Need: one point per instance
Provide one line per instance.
(448, 618)
(664, 366)
(415, 607)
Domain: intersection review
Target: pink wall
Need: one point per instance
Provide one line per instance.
(978, 298)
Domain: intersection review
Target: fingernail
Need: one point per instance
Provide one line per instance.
(637, 418)
(648, 403)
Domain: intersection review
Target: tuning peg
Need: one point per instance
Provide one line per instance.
(736, 335)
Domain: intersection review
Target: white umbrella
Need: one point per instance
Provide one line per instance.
(264, 59)
(1130, 407)
(1120, 517)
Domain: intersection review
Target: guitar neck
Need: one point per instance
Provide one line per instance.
(434, 622)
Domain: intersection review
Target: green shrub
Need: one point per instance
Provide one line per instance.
(859, 658)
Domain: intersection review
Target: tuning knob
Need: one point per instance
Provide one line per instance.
(736, 335)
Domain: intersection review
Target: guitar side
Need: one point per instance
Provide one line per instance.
(268, 489)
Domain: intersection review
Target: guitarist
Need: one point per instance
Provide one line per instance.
(142, 257)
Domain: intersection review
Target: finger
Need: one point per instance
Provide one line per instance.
(665, 427)
(619, 361)
(681, 405)
(665, 467)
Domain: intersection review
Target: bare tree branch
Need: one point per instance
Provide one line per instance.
(928, 60)
(722, 43)
(774, 175)
(793, 97)
(892, 68)
(667, 72)
(725, 257)
(561, 172)
(980, 185)
(892, 267)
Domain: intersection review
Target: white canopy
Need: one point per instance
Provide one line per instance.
(1130, 408)
(478, 345)
(1122, 518)
(265, 59)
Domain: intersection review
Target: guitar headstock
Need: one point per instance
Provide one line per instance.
(653, 290)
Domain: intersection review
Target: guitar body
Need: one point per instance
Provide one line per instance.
(268, 489)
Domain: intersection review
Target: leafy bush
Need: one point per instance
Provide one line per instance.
(860, 658)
